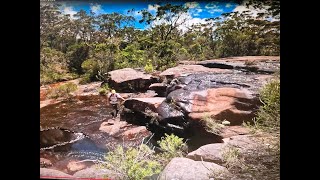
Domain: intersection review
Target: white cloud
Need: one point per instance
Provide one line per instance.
(185, 20)
(253, 11)
(137, 14)
(228, 5)
(69, 10)
(195, 12)
(212, 11)
(192, 5)
(153, 7)
(213, 7)
(96, 8)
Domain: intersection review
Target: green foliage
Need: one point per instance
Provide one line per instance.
(90, 68)
(131, 56)
(53, 66)
(148, 67)
(230, 156)
(103, 90)
(64, 90)
(141, 162)
(213, 126)
(77, 54)
(268, 115)
(132, 163)
(172, 146)
(92, 45)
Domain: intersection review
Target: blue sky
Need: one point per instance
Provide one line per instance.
(197, 13)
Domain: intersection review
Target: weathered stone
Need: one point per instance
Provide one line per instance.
(183, 70)
(214, 152)
(209, 153)
(112, 127)
(187, 169)
(136, 132)
(141, 104)
(130, 80)
(262, 64)
(97, 173)
(52, 173)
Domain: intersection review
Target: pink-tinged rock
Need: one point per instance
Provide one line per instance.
(136, 132)
(52, 173)
(130, 80)
(141, 104)
(187, 169)
(231, 104)
(182, 70)
(76, 166)
(209, 153)
(112, 127)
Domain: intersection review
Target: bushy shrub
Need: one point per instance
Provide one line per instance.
(142, 162)
(104, 89)
(213, 126)
(132, 163)
(148, 67)
(171, 146)
(268, 115)
(63, 90)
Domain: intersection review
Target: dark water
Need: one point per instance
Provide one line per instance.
(70, 131)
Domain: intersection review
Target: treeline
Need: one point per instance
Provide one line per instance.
(89, 45)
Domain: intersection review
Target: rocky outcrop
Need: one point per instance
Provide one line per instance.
(222, 93)
(137, 132)
(143, 104)
(112, 127)
(130, 80)
(259, 64)
(123, 130)
(183, 70)
(209, 153)
(52, 173)
(187, 169)
(231, 98)
(97, 173)
(214, 152)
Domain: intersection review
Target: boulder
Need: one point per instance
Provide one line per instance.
(261, 64)
(52, 173)
(123, 130)
(214, 152)
(183, 70)
(137, 132)
(141, 104)
(97, 173)
(159, 88)
(112, 127)
(187, 169)
(130, 80)
(222, 96)
(209, 153)
(76, 166)
(231, 104)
